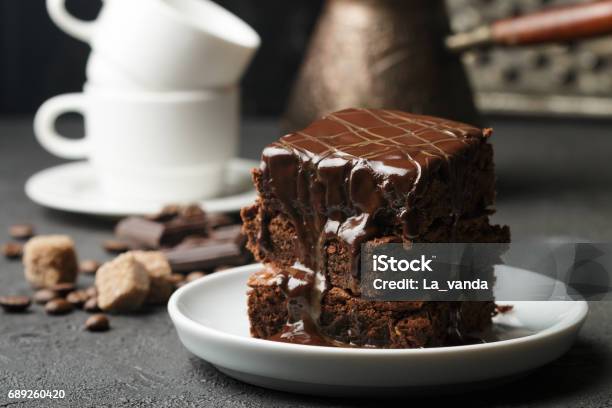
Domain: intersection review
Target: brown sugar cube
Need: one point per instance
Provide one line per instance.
(122, 284)
(50, 259)
(159, 274)
(161, 289)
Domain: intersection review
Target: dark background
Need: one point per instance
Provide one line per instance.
(38, 60)
(552, 185)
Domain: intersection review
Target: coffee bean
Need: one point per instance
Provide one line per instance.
(97, 323)
(21, 231)
(77, 298)
(12, 250)
(58, 307)
(115, 247)
(194, 275)
(62, 289)
(14, 304)
(89, 266)
(92, 291)
(91, 306)
(222, 268)
(44, 295)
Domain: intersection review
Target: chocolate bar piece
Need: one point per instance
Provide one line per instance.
(166, 229)
(229, 233)
(205, 254)
(225, 246)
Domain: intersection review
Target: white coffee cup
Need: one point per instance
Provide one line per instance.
(166, 44)
(102, 72)
(171, 146)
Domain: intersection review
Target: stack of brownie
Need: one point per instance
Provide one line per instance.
(365, 176)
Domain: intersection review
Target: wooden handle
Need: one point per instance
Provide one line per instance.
(555, 25)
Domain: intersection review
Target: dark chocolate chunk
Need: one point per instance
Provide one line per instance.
(162, 232)
(21, 231)
(184, 258)
(140, 232)
(228, 233)
(15, 304)
(12, 250)
(231, 233)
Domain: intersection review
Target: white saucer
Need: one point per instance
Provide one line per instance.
(211, 320)
(73, 187)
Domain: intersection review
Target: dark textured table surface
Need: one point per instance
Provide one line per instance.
(555, 180)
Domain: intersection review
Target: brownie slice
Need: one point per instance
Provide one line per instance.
(345, 319)
(360, 174)
(340, 264)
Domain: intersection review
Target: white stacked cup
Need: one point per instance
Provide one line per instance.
(161, 104)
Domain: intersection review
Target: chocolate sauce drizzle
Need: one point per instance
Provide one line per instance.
(301, 290)
(353, 175)
(344, 174)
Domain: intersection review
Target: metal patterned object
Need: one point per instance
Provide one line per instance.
(573, 79)
(381, 54)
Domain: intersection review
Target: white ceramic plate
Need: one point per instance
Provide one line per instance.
(73, 187)
(211, 320)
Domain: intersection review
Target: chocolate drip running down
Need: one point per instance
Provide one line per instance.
(300, 288)
(288, 316)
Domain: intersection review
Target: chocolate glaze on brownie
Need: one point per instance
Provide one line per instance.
(359, 171)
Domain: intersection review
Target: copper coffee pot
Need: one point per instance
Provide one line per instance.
(400, 54)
